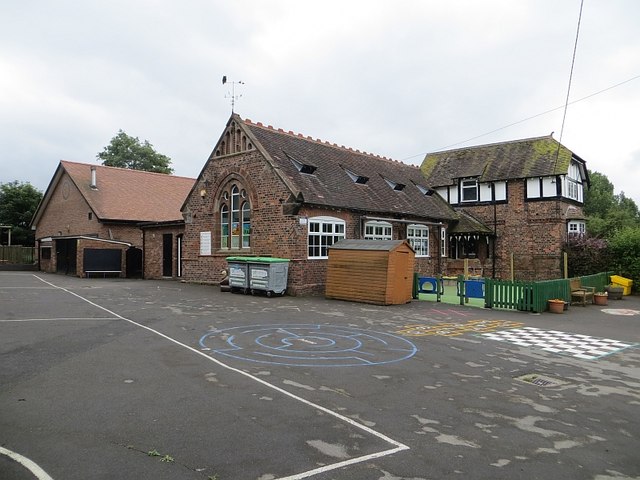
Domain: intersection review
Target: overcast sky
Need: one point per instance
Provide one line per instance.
(395, 78)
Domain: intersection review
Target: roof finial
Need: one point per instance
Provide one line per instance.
(232, 95)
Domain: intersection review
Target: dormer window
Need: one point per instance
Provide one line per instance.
(398, 187)
(469, 190)
(305, 168)
(359, 179)
(424, 190)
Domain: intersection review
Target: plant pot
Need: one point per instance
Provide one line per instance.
(556, 306)
(600, 299)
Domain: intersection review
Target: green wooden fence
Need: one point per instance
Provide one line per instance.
(533, 296)
(16, 254)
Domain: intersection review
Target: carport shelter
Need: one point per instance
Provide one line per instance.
(87, 256)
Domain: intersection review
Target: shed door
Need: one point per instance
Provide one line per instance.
(404, 278)
(167, 255)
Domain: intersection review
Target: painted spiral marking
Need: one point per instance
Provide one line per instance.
(308, 345)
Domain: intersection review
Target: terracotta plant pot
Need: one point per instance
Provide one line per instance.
(600, 299)
(556, 306)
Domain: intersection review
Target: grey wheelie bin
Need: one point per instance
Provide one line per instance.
(268, 274)
(239, 273)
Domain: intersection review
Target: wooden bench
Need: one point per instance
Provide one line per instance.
(580, 294)
(103, 272)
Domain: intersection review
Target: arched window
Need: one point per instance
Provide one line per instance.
(224, 227)
(235, 219)
(246, 224)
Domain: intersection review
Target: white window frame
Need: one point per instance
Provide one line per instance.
(322, 232)
(467, 185)
(576, 228)
(573, 183)
(235, 219)
(418, 236)
(378, 230)
(443, 242)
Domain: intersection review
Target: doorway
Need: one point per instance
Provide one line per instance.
(66, 251)
(167, 255)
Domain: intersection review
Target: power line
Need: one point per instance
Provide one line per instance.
(528, 118)
(566, 102)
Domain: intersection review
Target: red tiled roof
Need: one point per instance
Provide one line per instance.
(330, 184)
(130, 195)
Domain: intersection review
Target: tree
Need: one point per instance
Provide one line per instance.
(606, 212)
(624, 249)
(18, 203)
(125, 151)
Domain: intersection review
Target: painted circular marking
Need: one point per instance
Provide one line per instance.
(30, 465)
(308, 345)
(620, 311)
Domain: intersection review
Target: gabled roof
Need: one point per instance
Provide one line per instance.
(469, 224)
(340, 177)
(531, 157)
(123, 194)
(371, 245)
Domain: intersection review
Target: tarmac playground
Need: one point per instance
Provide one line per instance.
(112, 378)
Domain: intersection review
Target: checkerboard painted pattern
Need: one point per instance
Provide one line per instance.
(563, 343)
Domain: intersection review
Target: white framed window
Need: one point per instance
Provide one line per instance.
(235, 219)
(418, 236)
(469, 190)
(376, 230)
(573, 184)
(576, 228)
(324, 232)
(443, 242)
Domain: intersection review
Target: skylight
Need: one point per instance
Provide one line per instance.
(398, 187)
(360, 179)
(424, 190)
(302, 167)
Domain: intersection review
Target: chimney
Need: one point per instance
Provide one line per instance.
(93, 178)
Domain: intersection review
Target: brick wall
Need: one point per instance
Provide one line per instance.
(154, 250)
(533, 231)
(86, 243)
(273, 233)
(68, 213)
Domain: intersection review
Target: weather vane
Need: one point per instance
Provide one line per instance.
(233, 95)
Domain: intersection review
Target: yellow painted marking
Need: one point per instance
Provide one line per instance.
(456, 329)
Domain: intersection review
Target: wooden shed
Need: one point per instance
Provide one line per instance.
(371, 271)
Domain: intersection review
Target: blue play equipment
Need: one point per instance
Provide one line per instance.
(431, 285)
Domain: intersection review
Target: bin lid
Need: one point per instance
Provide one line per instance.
(268, 260)
(257, 259)
(239, 259)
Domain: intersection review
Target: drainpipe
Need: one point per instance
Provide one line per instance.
(495, 229)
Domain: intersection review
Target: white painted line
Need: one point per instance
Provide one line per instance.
(398, 446)
(26, 288)
(26, 463)
(62, 319)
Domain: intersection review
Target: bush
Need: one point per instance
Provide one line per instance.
(624, 253)
(587, 255)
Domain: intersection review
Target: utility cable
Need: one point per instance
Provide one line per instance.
(566, 103)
